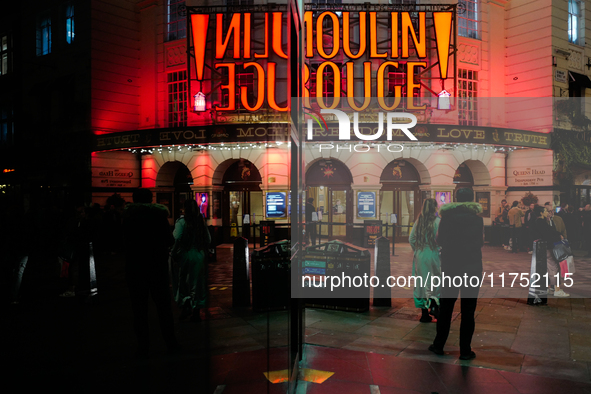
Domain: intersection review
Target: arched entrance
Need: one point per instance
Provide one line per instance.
(241, 196)
(329, 181)
(463, 177)
(400, 195)
(173, 183)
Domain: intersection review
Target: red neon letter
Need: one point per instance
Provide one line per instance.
(443, 23)
(320, 35)
(409, 30)
(373, 37)
(230, 86)
(347, 39)
(277, 29)
(271, 88)
(397, 89)
(220, 47)
(366, 85)
(411, 85)
(199, 25)
(260, 91)
(336, 74)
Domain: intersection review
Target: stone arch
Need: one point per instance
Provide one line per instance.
(479, 171)
(169, 172)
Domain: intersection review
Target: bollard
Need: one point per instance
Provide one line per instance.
(93, 288)
(382, 296)
(393, 239)
(538, 295)
(19, 278)
(240, 279)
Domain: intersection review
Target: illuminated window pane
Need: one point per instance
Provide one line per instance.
(176, 22)
(70, 23)
(467, 97)
(468, 20)
(574, 17)
(43, 34)
(177, 98)
(4, 55)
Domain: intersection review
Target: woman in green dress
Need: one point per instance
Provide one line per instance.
(191, 242)
(426, 262)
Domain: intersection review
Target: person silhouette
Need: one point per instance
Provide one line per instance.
(147, 240)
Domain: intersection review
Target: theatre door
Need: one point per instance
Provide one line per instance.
(328, 181)
(241, 196)
(400, 195)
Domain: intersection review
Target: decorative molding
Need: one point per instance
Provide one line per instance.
(468, 53)
(176, 55)
(575, 59)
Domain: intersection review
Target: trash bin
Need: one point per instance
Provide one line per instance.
(342, 260)
(271, 269)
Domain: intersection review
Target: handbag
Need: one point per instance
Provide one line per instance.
(560, 251)
(563, 268)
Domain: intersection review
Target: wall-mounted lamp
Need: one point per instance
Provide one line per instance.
(588, 63)
(443, 101)
(554, 61)
(199, 102)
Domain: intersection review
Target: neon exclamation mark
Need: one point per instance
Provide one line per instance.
(442, 36)
(199, 24)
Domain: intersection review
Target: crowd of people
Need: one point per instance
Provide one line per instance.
(450, 242)
(56, 245)
(573, 224)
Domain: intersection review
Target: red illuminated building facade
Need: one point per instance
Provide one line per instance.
(193, 99)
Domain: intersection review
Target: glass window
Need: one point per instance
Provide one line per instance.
(176, 22)
(6, 126)
(177, 98)
(468, 97)
(70, 23)
(4, 54)
(43, 34)
(574, 15)
(468, 19)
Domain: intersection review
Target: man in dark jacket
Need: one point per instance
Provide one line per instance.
(460, 236)
(147, 239)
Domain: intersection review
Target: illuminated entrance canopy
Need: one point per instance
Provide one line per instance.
(358, 50)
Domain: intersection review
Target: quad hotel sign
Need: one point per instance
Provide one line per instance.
(230, 38)
(228, 133)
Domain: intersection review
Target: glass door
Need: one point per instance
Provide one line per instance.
(405, 205)
(332, 204)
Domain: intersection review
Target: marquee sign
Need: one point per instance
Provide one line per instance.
(241, 56)
(191, 135)
(441, 133)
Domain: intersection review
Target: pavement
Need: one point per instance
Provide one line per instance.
(88, 345)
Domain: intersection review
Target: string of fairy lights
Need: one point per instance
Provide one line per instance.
(185, 148)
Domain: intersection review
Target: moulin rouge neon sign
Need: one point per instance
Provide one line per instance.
(235, 31)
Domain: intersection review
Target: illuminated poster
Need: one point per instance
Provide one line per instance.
(276, 206)
(203, 203)
(366, 204)
(442, 198)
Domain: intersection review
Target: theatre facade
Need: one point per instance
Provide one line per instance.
(222, 108)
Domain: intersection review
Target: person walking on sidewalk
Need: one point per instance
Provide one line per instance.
(191, 241)
(544, 231)
(461, 237)
(147, 241)
(426, 262)
(515, 215)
